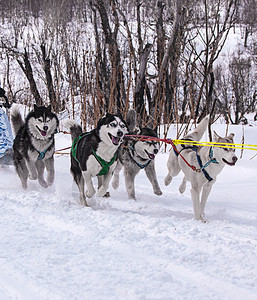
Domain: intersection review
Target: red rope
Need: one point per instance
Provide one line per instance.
(167, 141)
(147, 138)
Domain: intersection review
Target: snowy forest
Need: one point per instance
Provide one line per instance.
(162, 57)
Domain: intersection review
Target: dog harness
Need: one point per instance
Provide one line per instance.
(202, 168)
(141, 166)
(105, 165)
(41, 155)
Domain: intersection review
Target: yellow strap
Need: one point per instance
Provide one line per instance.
(216, 144)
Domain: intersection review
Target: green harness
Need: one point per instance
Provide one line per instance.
(105, 165)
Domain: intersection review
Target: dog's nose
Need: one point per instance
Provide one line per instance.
(234, 159)
(119, 133)
(155, 151)
(45, 128)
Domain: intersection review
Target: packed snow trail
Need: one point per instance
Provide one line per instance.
(152, 248)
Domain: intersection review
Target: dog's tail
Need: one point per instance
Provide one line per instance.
(16, 119)
(131, 120)
(198, 133)
(74, 127)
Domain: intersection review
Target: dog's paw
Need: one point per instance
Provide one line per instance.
(167, 180)
(182, 188)
(158, 192)
(33, 176)
(107, 195)
(43, 183)
(115, 184)
(89, 194)
(101, 192)
(50, 180)
(201, 219)
(83, 201)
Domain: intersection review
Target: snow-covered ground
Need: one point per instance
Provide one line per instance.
(152, 248)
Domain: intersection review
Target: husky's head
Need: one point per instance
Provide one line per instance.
(147, 149)
(224, 155)
(41, 122)
(111, 129)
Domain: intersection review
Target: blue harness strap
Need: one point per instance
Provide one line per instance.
(141, 166)
(41, 155)
(202, 168)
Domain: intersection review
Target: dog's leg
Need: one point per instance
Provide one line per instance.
(195, 194)
(151, 175)
(102, 191)
(129, 182)
(205, 194)
(79, 179)
(81, 185)
(173, 167)
(40, 165)
(183, 185)
(90, 188)
(32, 169)
(100, 180)
(116, 175)
(49, 163)
(22, 171)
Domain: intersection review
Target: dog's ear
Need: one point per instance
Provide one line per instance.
(216, 137)
(35, 107)
(131, 120)
(107, 115)
(156, 130)
(2, 92)
(119, 115)
(49, 107)
(231, 136)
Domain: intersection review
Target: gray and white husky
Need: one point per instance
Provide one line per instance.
(94, 153)
(135, 155)
(209, 160)
(34, 144)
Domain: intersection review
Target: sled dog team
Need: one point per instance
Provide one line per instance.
(105, 150)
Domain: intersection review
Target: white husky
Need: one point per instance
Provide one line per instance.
(209, 160)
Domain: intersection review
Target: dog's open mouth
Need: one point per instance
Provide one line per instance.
(43, 133)
(229, 163)
(150, 155)
(115, 140)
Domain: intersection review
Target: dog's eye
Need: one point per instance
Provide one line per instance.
(40, 120)
(226, 149)
(122, 125)
(113, 125)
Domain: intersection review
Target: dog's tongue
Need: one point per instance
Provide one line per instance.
(43, 133)
(115, 140)
(151, 156)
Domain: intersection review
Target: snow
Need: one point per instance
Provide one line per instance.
(152, 248)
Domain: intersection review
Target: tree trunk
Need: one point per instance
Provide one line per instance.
(27, 69)
(49, 80)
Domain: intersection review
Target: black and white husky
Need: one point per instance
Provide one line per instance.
(135, 155)
(209, 160)
(34, 144)
(94, 153)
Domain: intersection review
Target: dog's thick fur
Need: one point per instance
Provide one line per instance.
(137, 155)
(34, 144)
(104, 140)
(199, 183)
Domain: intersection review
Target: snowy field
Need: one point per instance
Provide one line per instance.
(149, 249)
